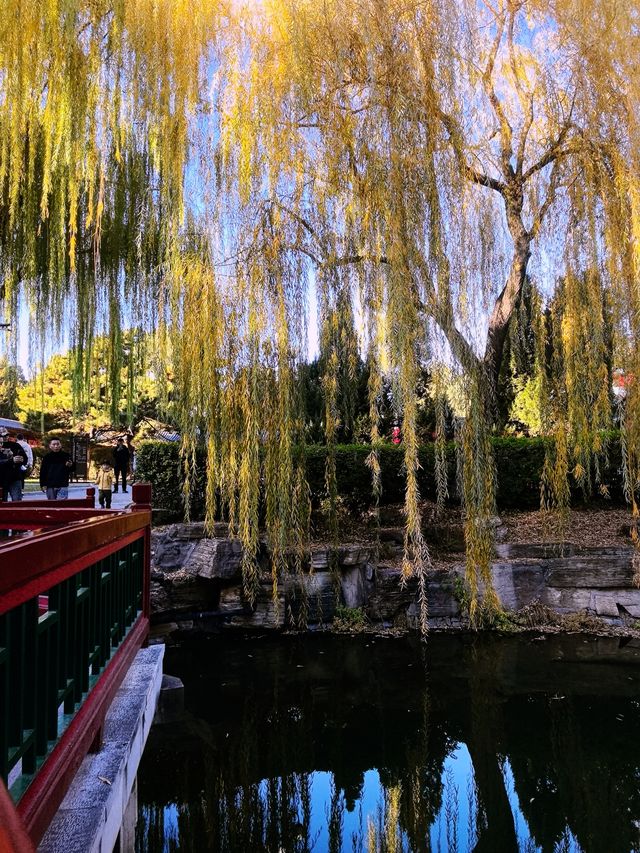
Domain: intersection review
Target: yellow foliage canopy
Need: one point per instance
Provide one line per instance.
(209, 168)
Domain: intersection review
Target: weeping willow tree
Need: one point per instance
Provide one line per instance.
(214, 169)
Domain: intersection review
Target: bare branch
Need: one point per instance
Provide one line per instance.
(506, 131)
(522, 144)
(548, 201)
(526, 99)
(452, 126)
(557, 150)
(512, 52)
(292, 213)
(305, 251)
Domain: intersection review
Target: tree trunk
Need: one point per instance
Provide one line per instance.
(506, 302)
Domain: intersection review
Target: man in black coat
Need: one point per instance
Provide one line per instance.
(13, 467)
(121, 458)
(56, 467)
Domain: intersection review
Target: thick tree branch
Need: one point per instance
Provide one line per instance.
(294, 215)
(455, 137)
(442, 313)
(452, 126)
(305, 251)
(484, 180)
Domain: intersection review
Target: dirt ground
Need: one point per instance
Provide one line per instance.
(585, 526)
(590, 527)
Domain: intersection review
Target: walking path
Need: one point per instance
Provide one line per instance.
(119, 500)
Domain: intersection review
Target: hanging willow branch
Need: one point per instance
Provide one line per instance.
(204, 171)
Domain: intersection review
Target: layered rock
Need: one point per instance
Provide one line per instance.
(197, 583)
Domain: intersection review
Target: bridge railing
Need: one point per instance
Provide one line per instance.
(74, 610)
(89, 500)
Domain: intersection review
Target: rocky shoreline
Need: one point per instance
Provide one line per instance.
(196, 586)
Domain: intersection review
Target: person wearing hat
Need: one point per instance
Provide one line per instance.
(14, 461)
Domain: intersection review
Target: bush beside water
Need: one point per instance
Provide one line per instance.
(519, 464)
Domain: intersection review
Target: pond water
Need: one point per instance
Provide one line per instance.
(330, 743)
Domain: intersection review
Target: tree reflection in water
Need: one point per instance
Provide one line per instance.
(352, 744)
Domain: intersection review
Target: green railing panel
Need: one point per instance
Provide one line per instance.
(52, 651)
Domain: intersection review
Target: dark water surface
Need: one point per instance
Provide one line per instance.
(331, 743)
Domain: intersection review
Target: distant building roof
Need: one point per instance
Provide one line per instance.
(157, 430)
(165, 435)
(9, 424)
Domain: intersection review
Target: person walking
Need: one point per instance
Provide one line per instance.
(104, 482)
(24, 444)
(14, 466)
(121, 458)
(56, 467)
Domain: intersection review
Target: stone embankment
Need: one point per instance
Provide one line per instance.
(196, 583)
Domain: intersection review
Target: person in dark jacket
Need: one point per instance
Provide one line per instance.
(13, 468)
(56, 467)
(121, 458)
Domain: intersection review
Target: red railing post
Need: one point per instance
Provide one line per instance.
(141, 494)
(91, 497)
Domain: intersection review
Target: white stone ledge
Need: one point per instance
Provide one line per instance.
(91, 815)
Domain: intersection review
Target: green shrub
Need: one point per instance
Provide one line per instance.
(349, 618)
(158, 463)
(462, 594)
(519, 464)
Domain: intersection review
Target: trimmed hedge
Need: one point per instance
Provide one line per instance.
(158, 463)
(519, 464)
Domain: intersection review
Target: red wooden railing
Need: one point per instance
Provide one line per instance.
(13, 838)
(85, 572)
(88, 501)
